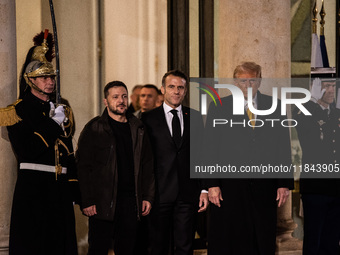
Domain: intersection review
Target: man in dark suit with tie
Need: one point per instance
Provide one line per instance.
(178, 197)
(243, 214)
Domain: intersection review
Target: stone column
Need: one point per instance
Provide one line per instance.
(254, 31)
(285, 243)
(135, 49)
(8, 94)
(259, 31)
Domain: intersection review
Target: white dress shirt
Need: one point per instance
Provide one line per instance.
(169, 116)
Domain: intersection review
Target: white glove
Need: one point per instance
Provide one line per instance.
(316, 91)
(57, 114)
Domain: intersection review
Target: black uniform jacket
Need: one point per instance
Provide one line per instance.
(48, 227)
(319, 136)
(34, 138)
(97, 165)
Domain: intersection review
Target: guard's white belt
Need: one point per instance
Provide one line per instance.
(41, 167)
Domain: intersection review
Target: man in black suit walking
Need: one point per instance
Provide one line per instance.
(177, 196)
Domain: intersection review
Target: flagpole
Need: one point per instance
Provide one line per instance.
(316, 57)
(314, 19)
(322, 37)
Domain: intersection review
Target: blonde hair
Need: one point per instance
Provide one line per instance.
(248, 67)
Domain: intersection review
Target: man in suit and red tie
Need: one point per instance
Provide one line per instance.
(243, 213)
(178, 198)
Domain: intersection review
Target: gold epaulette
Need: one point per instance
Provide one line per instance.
(8, 115)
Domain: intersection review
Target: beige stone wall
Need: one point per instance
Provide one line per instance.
(7, 95)
(29, 13)
(135, 41)
(254, 31)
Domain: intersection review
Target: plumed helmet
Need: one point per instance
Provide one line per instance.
(38, 69)
(39, 66)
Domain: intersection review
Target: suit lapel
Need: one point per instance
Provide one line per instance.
(163, 125)
(186, 124)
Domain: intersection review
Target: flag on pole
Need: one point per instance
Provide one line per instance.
(316, 59)
(324, 51)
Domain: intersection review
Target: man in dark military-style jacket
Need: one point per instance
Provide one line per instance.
(116, 178)
(42, 220)
(319, 136)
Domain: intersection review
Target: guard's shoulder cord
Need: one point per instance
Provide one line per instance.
(8, 115)
(70, 117)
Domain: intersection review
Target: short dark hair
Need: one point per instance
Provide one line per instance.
(151, 86)
(176, 73)
(113, 84)
(136, 87)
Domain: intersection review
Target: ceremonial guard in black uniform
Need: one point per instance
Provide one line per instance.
(319, 136)
(42, 220)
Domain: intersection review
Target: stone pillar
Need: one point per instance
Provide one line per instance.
(259, 31)
(135, 48)
(8, 94)
(254, 31)
(285, 243)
